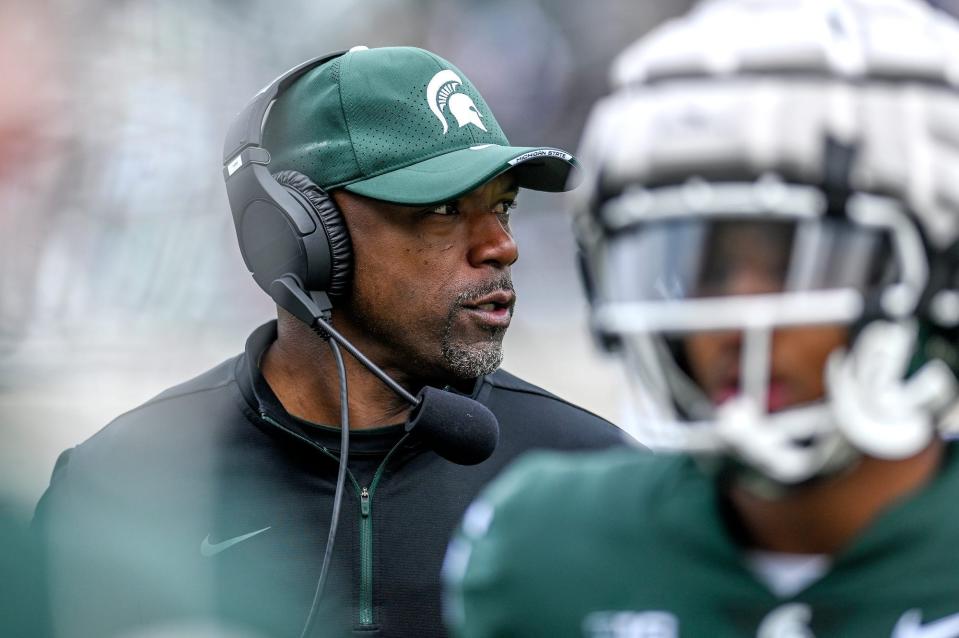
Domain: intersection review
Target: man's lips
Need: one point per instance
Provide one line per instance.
(497, 298)
(494, 310)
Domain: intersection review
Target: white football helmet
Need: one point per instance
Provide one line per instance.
(817, 143)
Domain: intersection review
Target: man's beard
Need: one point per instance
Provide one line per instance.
(472, 360)
(458, 360)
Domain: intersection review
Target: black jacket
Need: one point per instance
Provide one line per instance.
(201, 505)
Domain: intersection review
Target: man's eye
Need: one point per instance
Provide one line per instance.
(445, 209)
(504, 207)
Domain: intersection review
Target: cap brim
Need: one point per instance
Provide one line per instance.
(451, 175)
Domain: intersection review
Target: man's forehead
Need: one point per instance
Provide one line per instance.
(505, 183)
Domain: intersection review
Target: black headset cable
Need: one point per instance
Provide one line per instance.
(338, 493)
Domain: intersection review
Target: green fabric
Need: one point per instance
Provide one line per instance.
(397, 124)
(629, 542)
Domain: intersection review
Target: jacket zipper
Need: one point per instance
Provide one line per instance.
(366, 542)
(366, 559)
(366, 539)
(365, 495)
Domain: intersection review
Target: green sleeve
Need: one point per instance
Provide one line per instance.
(501, 562)
(536, 544)
(482, 572)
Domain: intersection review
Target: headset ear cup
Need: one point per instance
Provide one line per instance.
(331, 220)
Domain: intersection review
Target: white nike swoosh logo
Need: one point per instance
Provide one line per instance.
(212, 549)
(910, 626)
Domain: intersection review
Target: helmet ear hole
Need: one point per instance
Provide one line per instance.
(330, 219)
(585, 276)
(607, 341)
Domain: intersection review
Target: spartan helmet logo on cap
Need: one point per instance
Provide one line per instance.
(442, 92)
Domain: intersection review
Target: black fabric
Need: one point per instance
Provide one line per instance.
(217, 458)
(331, 219)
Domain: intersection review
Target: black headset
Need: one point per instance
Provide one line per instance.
(286, 224)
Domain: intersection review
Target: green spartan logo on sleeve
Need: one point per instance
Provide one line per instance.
(442, 92)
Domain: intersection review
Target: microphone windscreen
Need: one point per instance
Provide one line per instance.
(456, 427)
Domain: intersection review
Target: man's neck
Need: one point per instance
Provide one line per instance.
(825, 517)
(301, 371)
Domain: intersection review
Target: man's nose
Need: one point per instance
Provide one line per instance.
(491, 242)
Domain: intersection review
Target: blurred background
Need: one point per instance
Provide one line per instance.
(119, 273)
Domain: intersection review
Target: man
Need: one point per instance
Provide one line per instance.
(771, 229)
(214, 500)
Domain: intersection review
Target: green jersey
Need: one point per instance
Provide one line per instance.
(632, 545)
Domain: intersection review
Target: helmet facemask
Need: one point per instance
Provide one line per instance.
(698, 282)
(836, 120)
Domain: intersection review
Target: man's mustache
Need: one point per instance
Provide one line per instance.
(502, 283)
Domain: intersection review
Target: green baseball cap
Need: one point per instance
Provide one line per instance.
(402, 125)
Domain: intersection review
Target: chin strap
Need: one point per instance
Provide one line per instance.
(788, 447)
(871, 409)
(879, 412)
